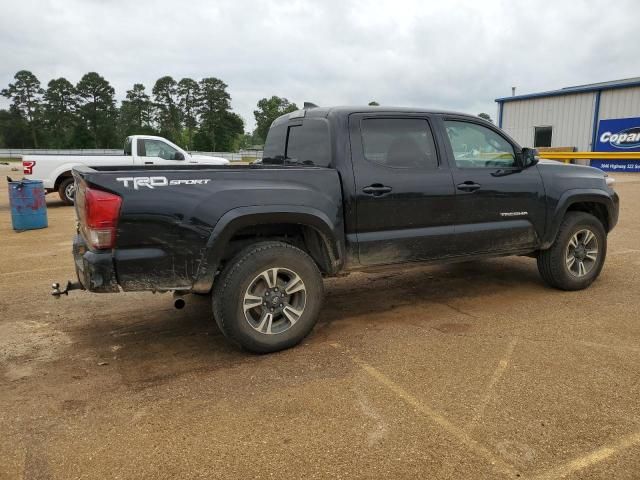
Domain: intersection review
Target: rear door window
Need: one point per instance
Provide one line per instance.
(399, 142)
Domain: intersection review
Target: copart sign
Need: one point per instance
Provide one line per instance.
(619, 135)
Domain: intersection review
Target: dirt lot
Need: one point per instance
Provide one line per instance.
(467, 371)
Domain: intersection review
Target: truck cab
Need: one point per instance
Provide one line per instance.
(152, 150)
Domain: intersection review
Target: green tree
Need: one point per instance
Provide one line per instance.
(373, 103)
(219, 127)
(189, 102)
(250, 141)
(97, 110)
(165, 96)
(60, 112)
(268, 110)
(230, 132)
(136, 112)
(485, 116)
(25, 95)
(14, 130)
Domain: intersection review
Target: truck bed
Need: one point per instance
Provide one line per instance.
(171, 218)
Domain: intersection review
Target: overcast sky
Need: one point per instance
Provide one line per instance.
(442, 54)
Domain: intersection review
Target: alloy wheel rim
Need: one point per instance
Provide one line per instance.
(582, 253)
(274, 301)
(70, 191)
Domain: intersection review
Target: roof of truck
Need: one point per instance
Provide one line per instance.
(324, 112)
(348, 109)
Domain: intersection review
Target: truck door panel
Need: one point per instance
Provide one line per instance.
(499, 206)
(404, 193)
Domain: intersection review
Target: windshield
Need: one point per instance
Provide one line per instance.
(127, 146)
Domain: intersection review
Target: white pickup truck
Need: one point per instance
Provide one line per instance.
(55, 170)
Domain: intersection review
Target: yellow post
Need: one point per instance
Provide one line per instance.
(568, 156)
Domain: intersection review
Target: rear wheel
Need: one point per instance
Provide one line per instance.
(577, 256)
(268, 297)
(67, 190)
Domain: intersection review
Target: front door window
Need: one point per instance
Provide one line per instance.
(475, 146)
(157, 148)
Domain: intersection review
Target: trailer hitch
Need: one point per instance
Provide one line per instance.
(56, 292)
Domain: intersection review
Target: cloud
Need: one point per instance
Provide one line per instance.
(453, 55)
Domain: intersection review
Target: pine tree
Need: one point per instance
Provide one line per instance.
(26, 95)
(97, 109)
(165, 96)
(60, 110)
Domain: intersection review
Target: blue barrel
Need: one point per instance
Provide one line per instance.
(28, 206)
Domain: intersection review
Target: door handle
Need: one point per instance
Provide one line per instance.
(468, 186)
(376, 190)
(148, 163)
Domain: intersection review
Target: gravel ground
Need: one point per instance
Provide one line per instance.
(471, 371)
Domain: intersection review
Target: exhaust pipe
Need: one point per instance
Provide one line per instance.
(178, 301)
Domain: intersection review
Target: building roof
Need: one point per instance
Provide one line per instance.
(590, 87)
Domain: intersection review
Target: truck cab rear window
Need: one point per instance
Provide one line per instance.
(307, 143)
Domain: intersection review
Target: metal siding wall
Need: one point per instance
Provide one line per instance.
(621, 103)
(570, 116)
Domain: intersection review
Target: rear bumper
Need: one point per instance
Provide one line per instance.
(95, 270)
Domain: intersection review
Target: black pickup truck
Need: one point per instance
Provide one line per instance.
(338, 190)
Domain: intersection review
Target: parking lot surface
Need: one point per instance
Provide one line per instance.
(464, 371)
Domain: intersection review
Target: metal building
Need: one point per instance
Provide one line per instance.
(596, 117)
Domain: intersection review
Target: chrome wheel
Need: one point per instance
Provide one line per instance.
(581, 255)
(274, 301)
(70, 190)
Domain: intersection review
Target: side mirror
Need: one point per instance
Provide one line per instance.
(529, 157)
(178, 156)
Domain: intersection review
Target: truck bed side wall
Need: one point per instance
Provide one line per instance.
(166, 238)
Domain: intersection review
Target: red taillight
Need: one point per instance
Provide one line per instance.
(27, 166)
(100, 219)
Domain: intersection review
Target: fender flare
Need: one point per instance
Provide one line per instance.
(571, 197)
(234, 220)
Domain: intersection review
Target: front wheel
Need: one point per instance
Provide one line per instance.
(268, 297)
(577, 256)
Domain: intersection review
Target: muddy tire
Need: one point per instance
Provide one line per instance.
(577, 256)
(67, 190)
(268, 297)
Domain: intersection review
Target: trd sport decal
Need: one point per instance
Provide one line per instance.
(153, 182)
